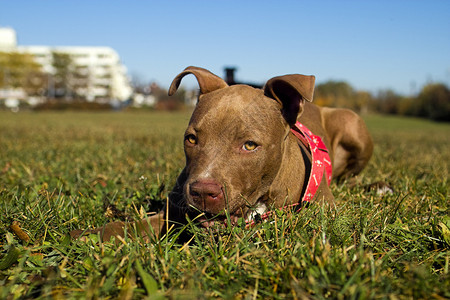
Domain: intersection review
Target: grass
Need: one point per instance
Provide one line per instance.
(59, 170)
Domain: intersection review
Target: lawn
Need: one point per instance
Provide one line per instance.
(60, 171)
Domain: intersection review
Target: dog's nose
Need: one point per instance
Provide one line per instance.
(207, 193)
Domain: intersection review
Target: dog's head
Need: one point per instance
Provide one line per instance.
(236, 137)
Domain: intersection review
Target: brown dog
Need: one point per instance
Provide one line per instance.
(243, 156)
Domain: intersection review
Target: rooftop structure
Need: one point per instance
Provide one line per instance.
(8, 39)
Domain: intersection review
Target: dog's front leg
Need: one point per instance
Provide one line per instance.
(146, 228)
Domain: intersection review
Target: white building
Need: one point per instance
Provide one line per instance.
(106, 74)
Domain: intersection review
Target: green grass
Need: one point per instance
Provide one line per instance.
(57, 170)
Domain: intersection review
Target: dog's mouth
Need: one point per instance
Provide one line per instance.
(207, 219)
(218, 220)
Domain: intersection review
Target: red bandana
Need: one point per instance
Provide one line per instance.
(320, 163)
(320, 159)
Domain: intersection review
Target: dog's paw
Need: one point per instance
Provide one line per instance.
(113, 229)
(381, 188)
(75, 234)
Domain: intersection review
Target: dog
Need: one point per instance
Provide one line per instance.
(249, 151)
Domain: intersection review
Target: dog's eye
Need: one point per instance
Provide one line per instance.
(249, 146)
(192, 139)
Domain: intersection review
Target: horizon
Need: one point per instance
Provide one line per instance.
(373, 46)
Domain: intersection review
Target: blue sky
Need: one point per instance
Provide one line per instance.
(373, 45)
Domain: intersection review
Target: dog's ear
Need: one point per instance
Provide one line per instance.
(207, 81)
(291, 91)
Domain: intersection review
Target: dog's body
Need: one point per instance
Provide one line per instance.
(241, 156)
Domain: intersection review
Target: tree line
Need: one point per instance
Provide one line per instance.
(432, 102)
(20, 71)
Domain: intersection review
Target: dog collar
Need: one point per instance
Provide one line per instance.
(320, 160)
(320, 164)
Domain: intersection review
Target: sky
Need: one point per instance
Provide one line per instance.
(373, 45)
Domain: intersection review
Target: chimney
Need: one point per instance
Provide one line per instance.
(229, 75)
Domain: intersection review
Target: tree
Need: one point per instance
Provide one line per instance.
(434, 102)
(80, 80)
(63, 73)
(166, 102)
(340, 94)
(387, 102)
(20, 71)
(362, 101)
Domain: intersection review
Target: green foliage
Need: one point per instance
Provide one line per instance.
(337, 94)
(58, 170)
(19, 70)
(433, 101)
(63, 75)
